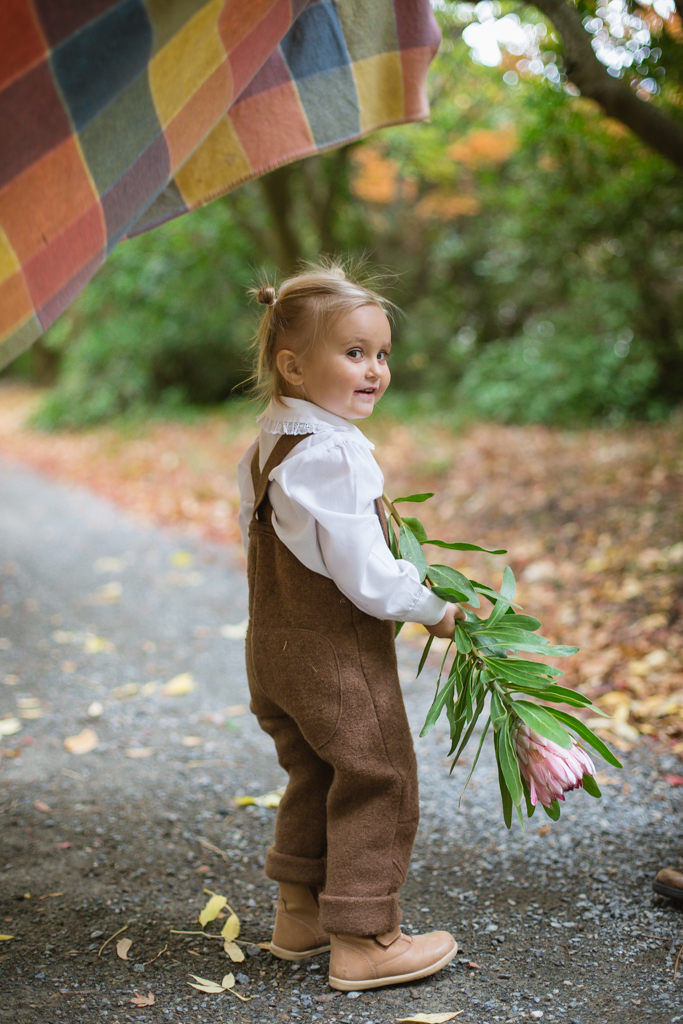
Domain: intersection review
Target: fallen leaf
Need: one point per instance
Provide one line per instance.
(231, 928)
(204, 985)
(603, 779)
(228, 981)
(233, 951)
(543, 830)
(192, 741)
(674, 780)
(109, 565)
(179, 685)
(8, 726)
(181, 559)
(31, 713)
(149, 688)
(122, 947)
(41, 806)
(95, 709)
(96, 644)
(326, 997)
(432, 1018)
(139, 1000)
(127, 690)
(268, 800)
(28, 702)
(11, 679)
(110, 593)
(140, 751)
(236, 709)
(83, 743)
(236, 632)
(212, 909)
(472, 966)
(6, 938)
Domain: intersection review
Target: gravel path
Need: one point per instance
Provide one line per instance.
(558, 926)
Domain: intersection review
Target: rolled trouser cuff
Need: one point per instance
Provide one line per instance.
(359, 915)
(282, 867)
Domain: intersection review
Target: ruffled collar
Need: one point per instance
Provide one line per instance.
(297, 416)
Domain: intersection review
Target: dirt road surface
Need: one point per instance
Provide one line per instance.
(98, 615)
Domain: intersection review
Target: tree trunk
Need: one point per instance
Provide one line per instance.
(277, 189)
(661, 132)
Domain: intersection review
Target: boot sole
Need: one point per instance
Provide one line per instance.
(667, 890)
(344, 985)
(290, 954)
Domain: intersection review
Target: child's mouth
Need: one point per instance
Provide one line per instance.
(365, 391)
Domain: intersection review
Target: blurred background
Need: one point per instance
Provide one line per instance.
(534, 245)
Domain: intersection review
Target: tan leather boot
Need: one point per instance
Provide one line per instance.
(297, 933)
(358, 963)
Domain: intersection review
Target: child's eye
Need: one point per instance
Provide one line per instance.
(354, 353)
(383, 355)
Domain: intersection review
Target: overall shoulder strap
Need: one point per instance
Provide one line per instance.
(260, 476)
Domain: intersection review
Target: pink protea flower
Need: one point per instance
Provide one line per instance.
(548, 769)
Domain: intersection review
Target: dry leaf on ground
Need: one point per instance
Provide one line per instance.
(140, 751)
(82, 743)
(139, 1000)
(431, 1018)
(8, 726)
(267, 800)
(192, 741)
(122, 947)
(212, 909)
(179, 685)
(40, 805)
(204, 985)
(231, 928)
(233, 951)
(6, 938)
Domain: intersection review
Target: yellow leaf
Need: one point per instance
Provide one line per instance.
(192, 741)
(267, 800)
(110, 593)
(140, 751)
(431, 1018)
(205, 985)
(179, 685)
(83, 743)
(212, 909)
(32, 713)
(8, 726)
(96, 644)
(122, 947)
(228, 981)
(181, 559)
(231, 928)
(233, 951)
(126, 690)
(6, 938)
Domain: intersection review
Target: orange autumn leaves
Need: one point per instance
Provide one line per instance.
(378, 179)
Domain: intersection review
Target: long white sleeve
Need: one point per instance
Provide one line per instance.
(323, 498)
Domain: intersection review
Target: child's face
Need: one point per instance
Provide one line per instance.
(348, 373)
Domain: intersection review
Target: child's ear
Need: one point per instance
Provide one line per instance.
(289, 365)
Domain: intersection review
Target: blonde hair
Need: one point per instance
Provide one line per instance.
(298, 313)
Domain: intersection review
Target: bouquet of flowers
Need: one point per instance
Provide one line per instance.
(538, 759)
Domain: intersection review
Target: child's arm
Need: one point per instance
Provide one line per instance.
(246, 488)
(446, 627)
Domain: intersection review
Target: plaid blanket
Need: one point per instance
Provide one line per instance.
(117, 115)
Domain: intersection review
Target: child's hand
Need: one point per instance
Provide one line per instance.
(446, 627)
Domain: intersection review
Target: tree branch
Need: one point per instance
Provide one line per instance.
(618, 100)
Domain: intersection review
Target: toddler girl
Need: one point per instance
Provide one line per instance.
(324, 592)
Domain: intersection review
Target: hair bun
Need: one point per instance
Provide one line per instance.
(266, 295)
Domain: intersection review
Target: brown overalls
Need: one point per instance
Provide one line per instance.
(324, 684)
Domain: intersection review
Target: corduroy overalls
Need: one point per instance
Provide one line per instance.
(324, 684)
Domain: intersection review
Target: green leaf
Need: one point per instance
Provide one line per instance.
(470, 728)
(448, 579)
(549, 652)
(397, 628)
(586, 734)
(504, 791)
(522, 665)
(542, 720)
(424, 655)
(464, 547)
(527, 622)
(415, 497)
(553, 811)
(561, 695)
(448, 594)
(530, 808)
(499, 610)
(416, 528)
(393, 543)
(410, 550)
(462, 640)
(435, 710)
(509, 764)
(476, 757)
(591, 786)
(508, 586)
(498, 711)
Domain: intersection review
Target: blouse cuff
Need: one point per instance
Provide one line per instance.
(430, 609)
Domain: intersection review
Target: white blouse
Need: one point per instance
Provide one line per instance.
(323, 496)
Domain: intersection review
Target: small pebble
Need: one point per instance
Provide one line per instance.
(242, 978)
(254, 951)
(536, 1014)
(354, 995)
(138, 967)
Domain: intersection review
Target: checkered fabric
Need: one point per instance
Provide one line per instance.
(117, 115)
